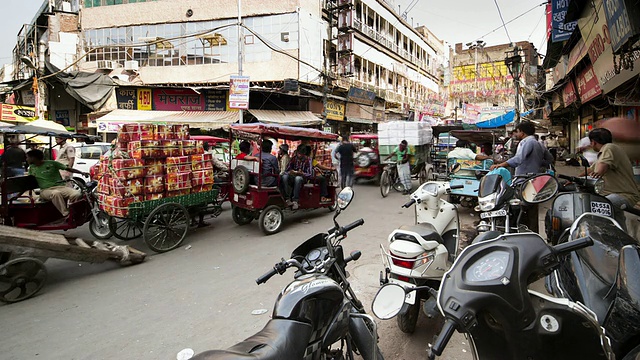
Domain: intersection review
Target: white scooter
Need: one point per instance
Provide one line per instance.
(420, 254)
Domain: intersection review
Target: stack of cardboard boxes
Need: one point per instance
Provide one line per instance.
(153, 162)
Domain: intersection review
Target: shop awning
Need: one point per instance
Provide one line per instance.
(196, 119)
(501, 120)
(359, 120)
(284, 117)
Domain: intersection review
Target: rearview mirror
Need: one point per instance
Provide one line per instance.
(388, 301)
(344, 198)
(455, 168)
(539, 189)
(584, 161)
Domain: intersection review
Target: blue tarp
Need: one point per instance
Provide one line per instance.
(501, 120)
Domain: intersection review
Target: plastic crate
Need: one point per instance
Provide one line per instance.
(138, 210)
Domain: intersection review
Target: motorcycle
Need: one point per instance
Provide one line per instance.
(420, 254)
(485, 295)
(604, 278)
(315, 311)
(500, 200)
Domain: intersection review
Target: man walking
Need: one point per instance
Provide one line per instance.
(346, 151)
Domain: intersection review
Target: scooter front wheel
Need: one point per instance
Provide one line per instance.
(385, 183)
(408, 317)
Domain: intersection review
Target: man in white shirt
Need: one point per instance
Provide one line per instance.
(66, 156)
(584, 146)
(463, 153)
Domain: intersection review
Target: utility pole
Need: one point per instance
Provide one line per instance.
(514, 62)
(240, 48)
(478, 44)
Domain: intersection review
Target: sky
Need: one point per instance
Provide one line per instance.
(454, 21)
(464, 21)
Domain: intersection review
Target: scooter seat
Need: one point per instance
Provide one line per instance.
(279, 339)
(426, 231)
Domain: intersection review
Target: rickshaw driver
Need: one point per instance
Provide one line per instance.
(298, 172)
(47, 173)
(462, 152)
(322, 180)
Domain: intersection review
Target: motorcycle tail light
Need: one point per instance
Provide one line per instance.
(555, 223)
(403, 263)
(403, 278)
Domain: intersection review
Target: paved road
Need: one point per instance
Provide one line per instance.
(201, 297)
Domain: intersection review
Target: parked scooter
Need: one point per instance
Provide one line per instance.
(604, 277)
(485, 295)
(315, 311)
(420, 254)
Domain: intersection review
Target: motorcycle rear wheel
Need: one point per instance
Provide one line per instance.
(408, 319)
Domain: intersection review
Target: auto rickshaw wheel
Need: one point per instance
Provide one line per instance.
(125, 229)
(21, 278)
(240, 179)
(242, 216)
(100, 229)
(166, 227)
(271, 219)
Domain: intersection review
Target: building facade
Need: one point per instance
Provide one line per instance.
(179, 55)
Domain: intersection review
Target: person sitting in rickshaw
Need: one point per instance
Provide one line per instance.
(297, 173)
(52, 187)
(245, 152)
(463, 152)
(322, 180)
(270, 166)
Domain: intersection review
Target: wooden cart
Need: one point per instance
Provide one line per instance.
(23, 253)
(164, 222)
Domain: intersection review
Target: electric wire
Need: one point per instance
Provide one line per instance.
(501, 18)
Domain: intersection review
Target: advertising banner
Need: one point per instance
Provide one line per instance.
(620, 29)
(177, 100)
(239, 92)
(334, 110)
(560, 31)
(569, 94)
(361, 96)
(216, 100)
(144, 99)
(127, 98)
(596, 35)
(17, 113)
(588, 86)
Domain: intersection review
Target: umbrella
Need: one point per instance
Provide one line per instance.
(40, 127)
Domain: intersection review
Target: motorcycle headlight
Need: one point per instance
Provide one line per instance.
(598, 187)
(430, 189)
(488, 202)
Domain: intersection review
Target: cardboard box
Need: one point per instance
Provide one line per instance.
(157, 196)
(154, 184)
(178, 180)
(202, 161)
(171, 148)
(179, 164)
(126, 187)
(119, 206)
(104, 185)
(202, 177)
(201, 188)
(154, 166)
(127, 169)
(178, 192)
(181, 132)
(163, 132)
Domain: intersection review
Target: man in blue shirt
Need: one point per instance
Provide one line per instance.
(297, 173)
(270, 166)
(530, 156)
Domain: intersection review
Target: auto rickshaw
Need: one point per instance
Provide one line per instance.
(367, 160)
(469, 172)
(251, 200)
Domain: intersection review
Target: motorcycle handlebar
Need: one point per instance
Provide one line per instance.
(573, 245)
(447, 331)
(456, 186)
(263, 279)
(345, 229)
(409, 203)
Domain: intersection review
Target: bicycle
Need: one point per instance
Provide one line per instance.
(389, 178)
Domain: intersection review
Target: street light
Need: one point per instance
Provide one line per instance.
(514, 63)
(27, 61)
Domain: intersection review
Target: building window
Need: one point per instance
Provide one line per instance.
(97, 3)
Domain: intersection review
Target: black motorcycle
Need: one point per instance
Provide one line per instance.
(317, 316)
(486, 295)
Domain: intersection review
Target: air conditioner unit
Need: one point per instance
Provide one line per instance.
(131, 65)
(107, 65)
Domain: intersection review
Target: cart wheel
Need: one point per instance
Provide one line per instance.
(242, 216)
(271, 219)
(166, 227)
(240, 179)
(125, 229)
(21, 278)
(385, 183)
(100, 229)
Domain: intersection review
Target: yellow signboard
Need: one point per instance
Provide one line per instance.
(144, 99)
(17, 113)
(334, 110)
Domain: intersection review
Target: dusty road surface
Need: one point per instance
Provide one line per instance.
(201, 295)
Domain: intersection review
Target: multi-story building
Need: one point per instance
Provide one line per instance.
(349, 61)
(482, 84)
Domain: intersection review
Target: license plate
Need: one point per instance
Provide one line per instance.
(601, 208)
(491, 214)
